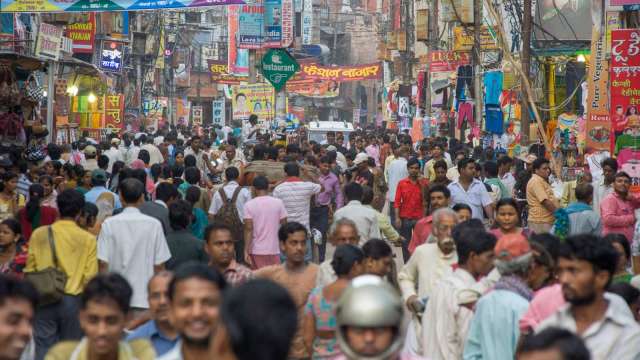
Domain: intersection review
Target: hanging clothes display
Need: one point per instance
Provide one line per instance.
(465, 112)
(493, 87)
(494, 120)
(464, 82)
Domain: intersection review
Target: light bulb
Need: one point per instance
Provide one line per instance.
(92, 98)
(581, 58)
(72, 90)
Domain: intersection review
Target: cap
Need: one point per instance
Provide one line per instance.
(360, 158)
(512, 246)
(331, 148)
(528, 158)
(115, 141)
(99, 175)
(90, 150)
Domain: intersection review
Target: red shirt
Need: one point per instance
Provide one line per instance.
(48, 216)
(409, 198)
(421, 233)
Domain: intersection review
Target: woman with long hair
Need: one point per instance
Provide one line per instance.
(10, 200)
(35, 214)
(115, 175)
(13, 248)
(84, 179)
(319, 315)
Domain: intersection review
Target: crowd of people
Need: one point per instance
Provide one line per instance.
(181, 245)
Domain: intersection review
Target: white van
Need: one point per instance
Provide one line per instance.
(317, 130)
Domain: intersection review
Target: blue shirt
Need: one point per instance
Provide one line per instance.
(95, 192)
(493, 333)
(148, 330)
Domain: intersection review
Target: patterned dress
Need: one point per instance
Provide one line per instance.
(323, 312)
(16, 266)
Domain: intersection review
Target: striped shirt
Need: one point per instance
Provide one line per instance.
(296, 196)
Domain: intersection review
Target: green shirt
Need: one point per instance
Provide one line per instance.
(184, 247)
(504, 193)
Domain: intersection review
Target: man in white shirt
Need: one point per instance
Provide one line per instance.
(445, 323)
(133, 244)
(250, 130)
(134, 149)
(429, 263)
(471, 191)
(586, 265)
(505, 175)
(604, 186)
(155, 156)
(343, 231)
(113, 153)
(244, 195)
(296, 195)
(396, 171)
(364, 217)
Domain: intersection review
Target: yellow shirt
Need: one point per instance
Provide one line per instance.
(139, 349)
(75, 249)
(538, 190)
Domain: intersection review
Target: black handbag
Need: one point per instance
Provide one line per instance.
(49, 282)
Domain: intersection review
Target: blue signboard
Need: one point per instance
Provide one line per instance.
(111, 56)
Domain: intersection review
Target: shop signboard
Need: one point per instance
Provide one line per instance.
(218, 107)
(83, 32)
(443, 60)
(307, 22)
(563, 20)
(113, 111)
(314, 88)
(463, 39)
(422, 25)
(253, 99)
(250, 26)
(287, 23)
(104, 5)
(625, 81)
(278, 67)
(237, 59)
(341, 73)
(273, 23)
(623, 2)
(598, 126)
(49, 42)
(219, 70)
(196, 115)
(111, 56)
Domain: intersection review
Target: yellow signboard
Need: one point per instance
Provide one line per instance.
(463, 39)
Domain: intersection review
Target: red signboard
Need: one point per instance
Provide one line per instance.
(625, 79)
(442, 61)
(113, 110)
(341, 73)
(82, 34)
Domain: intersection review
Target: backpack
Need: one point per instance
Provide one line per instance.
(228, 213)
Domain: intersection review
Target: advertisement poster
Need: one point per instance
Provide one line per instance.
(111, 56)
(182, 73)
(104, 5)
(288, 20)
(463, 39)
(340, 73)
(237, 59)
(218, 107)
(253, 99)
(314, 88)
(272, 23)
(82, 31)
(598, 124)
(307, 22)
(250, 26)
(220, 74)
(442, 60)
(625, 88)
(48, 42)
(568, 20)
(196, 115)
(153, 110)
(113, 111)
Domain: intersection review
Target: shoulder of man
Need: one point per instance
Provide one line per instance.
(61, 350)
(142, 349)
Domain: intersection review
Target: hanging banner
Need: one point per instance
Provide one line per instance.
(250, 26)
(237, 59)
(463, 39)
(598, 125)
(253, 99)
(625, 85)
(218, 116)
(341, 73)
(113, 111)
(314, 88)
(49, 42)
(272, 23)
(287, 23)
(307, 23)
(104, 5)
(442, 60)
(422, 25)
(82, 32)
(196, 115)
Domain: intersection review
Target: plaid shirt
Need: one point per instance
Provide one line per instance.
(237, 274)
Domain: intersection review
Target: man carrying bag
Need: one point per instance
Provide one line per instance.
(61, 261)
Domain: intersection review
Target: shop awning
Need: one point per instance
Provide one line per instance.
(23, 62)
(82, 67)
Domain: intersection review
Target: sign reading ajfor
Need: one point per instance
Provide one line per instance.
(278, 67)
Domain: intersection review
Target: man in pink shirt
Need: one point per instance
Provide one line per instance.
(617, 209)
(262, 218)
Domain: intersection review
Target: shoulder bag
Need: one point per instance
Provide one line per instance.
(49, 282)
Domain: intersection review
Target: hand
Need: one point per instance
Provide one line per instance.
(414, 304)
(398, 223)
(205, 157)
(247, 259)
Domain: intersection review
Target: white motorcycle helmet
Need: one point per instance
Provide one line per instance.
(370, 302)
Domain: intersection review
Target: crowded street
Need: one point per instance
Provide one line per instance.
(302, 180)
